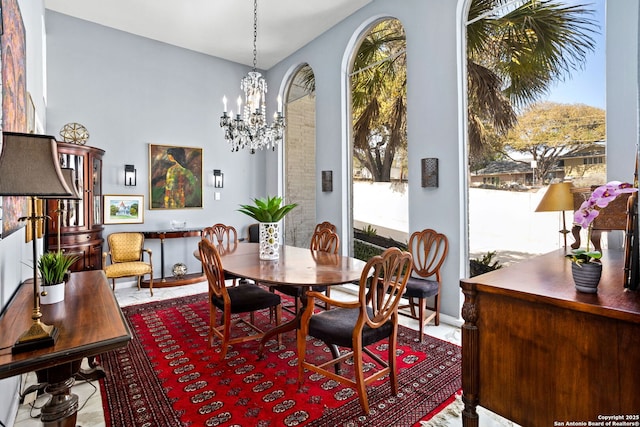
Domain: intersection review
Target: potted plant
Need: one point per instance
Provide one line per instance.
(268, 212)
(586, 266)
(53, 268)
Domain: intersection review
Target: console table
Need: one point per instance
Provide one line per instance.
(186, 279)
(90, 323)
(537, 352)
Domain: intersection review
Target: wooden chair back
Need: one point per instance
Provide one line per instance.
(429, 250)
(219, 234)
(212, 266)
(224, 237)
(325, 225)
(325, 240)
(382, 285)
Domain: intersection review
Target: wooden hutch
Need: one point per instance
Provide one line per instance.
(80, 220)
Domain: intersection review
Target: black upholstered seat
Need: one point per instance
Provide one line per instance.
(247, 297)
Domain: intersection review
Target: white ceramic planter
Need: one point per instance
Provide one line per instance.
(269, 240)
(52, 294)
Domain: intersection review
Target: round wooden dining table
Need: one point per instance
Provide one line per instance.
(295, 267)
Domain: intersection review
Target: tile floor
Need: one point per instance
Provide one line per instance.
(90, 401)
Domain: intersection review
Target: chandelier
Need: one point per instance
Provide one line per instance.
(249, 128)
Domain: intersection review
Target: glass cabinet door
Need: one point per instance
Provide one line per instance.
(97, 191)
(73, 211)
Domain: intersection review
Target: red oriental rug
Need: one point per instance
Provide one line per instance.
(169, 376)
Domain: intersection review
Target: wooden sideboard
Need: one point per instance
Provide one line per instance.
(539, 353)
(90, 323)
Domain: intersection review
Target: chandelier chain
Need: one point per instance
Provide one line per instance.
(255, 34)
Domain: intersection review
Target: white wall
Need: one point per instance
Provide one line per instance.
(130, 91)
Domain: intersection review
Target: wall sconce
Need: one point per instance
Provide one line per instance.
(129, 175)
(327, 181)
(429, 172)
(218, 178)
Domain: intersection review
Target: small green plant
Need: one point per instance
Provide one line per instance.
(581, 256)
(370, 231)
(484, 265)
(53, 266)
(267, 209)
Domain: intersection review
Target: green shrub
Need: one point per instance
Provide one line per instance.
(364, 251)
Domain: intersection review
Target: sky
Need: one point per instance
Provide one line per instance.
(586, 86)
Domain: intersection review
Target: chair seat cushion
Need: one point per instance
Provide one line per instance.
(336, 327)
(296, 291)
(247, 297)
(127, 269)
(421, 288)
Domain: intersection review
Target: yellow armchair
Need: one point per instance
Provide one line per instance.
(126, 253)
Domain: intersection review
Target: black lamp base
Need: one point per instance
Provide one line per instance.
(38, 336)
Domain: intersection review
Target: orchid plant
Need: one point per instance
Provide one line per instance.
(590, 209)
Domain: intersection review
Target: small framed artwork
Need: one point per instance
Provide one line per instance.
(175, 177)
(123, 209)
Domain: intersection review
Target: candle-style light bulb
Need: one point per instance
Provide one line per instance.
(224, 101)
(279, 104)
(239, 105)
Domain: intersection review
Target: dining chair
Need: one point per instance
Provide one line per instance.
(254, 233)
(327, 225)
(357, 325)
(225, 237)
(244, 298)
(126, 253)
(325, 240)
(429, 250)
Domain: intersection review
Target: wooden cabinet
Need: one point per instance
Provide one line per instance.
(536, 351)
(80, 221)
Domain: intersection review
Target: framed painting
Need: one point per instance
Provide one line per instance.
(123, 209)
(175, 177)
(14, 99)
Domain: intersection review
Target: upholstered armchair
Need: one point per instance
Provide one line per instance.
(126, 253)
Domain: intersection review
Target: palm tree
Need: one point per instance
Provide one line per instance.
(378, 89)
(513, 58)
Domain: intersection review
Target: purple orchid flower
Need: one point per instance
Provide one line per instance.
(600, 198)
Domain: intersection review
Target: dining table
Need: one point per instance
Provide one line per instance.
(295, 266)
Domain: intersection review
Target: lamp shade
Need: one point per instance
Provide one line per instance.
(29, 166)
(557, 198)
(69, 176)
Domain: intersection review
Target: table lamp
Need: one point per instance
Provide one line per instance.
(558, 198)
(69, 176)
(29, 167)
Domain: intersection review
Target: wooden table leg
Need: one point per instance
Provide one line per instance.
(62, 409)
(291, 325)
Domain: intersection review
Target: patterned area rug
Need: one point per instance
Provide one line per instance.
(169, 376)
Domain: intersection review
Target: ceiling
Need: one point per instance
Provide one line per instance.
(222, 28)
